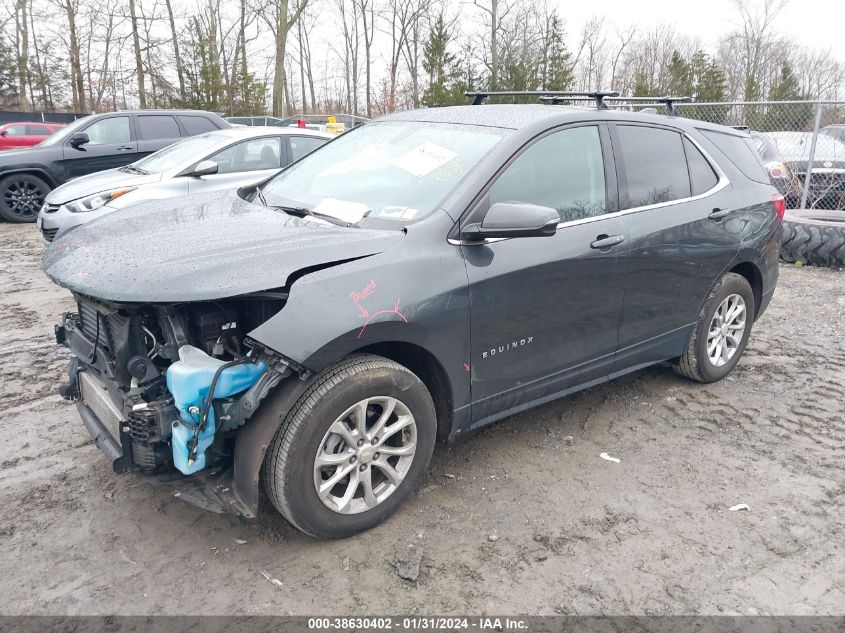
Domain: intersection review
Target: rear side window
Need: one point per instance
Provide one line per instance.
(37, 130)
(157, 126)
(564, 171)
(701, 174)
(741, 153)
(302, 145)
(655, 165)
(197, 124)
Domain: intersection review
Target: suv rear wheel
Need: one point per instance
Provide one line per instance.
(722, 331)
(352, 449)
(21, 197)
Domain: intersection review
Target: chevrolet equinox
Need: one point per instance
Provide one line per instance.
(412, 280)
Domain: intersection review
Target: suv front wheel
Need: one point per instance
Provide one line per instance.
(352, 449)
(721, 332)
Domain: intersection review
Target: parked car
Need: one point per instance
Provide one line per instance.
(223, 159)
(837, 131)
(420, 276)
(786, 156)
(90, 144)
(25, 134)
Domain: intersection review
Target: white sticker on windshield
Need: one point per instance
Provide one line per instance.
(342, 209)
(424, 159)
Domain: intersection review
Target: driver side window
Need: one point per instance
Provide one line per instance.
(109, 131)
(564, 171)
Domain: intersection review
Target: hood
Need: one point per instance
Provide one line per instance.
(97, 183)
(197, 248)
(22, 154)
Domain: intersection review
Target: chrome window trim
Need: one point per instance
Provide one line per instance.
(721, 183)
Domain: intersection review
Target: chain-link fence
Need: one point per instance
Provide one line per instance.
(801, 143)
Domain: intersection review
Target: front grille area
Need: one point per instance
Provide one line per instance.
(49, 234)
(98, 327)
(96, 397)
(51, 208)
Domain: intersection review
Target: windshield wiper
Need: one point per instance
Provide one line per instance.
(303, 211)
(130, 168)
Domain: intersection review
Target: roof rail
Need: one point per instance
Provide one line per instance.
(667, 101)
(545, 95)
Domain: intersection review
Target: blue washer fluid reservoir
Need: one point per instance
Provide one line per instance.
(189, 380)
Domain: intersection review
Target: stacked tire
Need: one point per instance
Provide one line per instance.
(814, 236)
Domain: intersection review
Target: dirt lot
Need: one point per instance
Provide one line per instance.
(523, 518)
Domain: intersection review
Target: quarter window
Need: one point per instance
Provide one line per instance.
(564, 171)
(655, 165)
(153, 127)
(701, 174)
(254, 155)
(197, 124)
(109, 131)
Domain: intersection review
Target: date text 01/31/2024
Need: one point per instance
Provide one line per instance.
(419, 623)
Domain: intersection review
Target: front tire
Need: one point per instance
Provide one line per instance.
(721, 332)
(21, 197)
(352, 448)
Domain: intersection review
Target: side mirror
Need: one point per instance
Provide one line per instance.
(79, 139)
(512, 219)
(4, 132)
(203, 168)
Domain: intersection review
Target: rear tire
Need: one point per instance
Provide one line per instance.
(717, 342)
(815, 237)
(21, 197)
(332, 472)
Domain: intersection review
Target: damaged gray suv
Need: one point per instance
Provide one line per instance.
(415, 279)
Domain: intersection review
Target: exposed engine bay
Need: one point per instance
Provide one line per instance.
(165, 386)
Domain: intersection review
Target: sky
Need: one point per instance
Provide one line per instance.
(816, 23)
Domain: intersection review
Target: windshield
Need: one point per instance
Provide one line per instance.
(799, 145)
(188, 151)
(59, 135)
(384, 174)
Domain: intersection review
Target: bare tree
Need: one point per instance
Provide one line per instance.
(22, 24)
(280, 17)
(180, 72)
(136, 45)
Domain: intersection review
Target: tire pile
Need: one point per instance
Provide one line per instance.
(814, 236)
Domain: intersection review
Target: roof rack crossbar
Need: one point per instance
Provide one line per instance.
(667, 101)
(544, 95)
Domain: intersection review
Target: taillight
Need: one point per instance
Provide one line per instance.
(780, 205)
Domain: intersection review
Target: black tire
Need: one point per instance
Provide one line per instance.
(814, 236)
(695, 364)
(21, 197)
(288, 469)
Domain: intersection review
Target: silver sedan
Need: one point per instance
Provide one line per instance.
(223, 159)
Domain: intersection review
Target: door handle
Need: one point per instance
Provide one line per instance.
(607, 241)
(718, 214)
(124, 147)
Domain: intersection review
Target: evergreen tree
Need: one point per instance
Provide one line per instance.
(787, 88)
(557, 65)
(444, 84)
(8, 76)
(680, 76)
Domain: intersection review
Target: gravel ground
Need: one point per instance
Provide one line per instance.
(525, 517)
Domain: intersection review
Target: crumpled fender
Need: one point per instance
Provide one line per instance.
(422, 300)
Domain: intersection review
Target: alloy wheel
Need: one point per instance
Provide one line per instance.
(726, 330)
(365, 455)
(23, 198)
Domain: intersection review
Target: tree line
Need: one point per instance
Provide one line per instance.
(367, 57)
